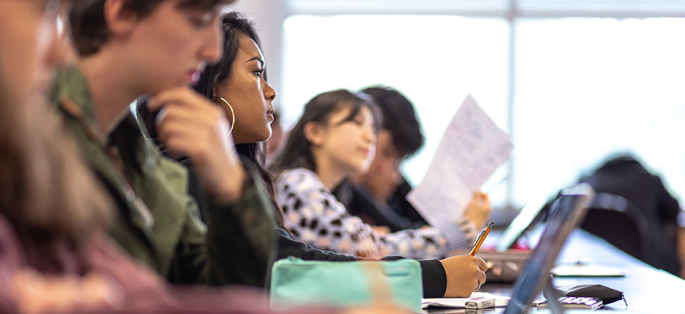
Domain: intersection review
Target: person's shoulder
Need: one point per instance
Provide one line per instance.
(130, 136)
(302, 178)
(70, 84)
(297, 173)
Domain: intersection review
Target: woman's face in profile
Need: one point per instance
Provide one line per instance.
(249, 94)
(29, 46)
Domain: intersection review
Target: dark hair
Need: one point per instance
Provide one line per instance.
(297, 150)
(235, 24)
(89, 28)
(399, 118)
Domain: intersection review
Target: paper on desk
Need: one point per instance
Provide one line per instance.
(586, 270)
(486, 299)
(470, 150)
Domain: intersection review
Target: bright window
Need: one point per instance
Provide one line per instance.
(410, 53)
(582, 87)
(587, 87)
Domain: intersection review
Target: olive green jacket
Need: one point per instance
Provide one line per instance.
(157, 221)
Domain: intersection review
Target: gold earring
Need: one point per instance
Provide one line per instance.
(232, 112)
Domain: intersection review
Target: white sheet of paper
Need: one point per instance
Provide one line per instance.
(496, 301)
(469, 152)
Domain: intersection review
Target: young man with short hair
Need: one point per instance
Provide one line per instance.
(131, 48)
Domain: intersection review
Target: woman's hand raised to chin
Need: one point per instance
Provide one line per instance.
(478, 210)
(189, 124)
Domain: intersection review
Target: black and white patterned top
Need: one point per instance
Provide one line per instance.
(314, 216)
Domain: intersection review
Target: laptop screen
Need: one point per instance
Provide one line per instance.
(566, 213)
(519, 225)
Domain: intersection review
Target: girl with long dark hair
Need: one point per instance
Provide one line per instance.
(238, 84)
(333, 140)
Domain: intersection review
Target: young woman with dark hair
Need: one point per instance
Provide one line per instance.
(54, 255)
(159, 48)
(239, 78)
(238, 84)
(379, 196)
(335, 139)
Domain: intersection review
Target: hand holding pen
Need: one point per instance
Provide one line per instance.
(479, 241)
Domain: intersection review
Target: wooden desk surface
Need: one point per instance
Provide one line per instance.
(646, 289)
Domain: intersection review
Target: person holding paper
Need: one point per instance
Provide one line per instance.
(315, 217)
(54, 254)
(378, 196)
(335, 139)
(235, 79)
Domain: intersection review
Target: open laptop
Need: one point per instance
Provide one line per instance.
(506, 261)
(520, 224)
(566, 213)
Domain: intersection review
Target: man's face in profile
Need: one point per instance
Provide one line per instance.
(383, 175)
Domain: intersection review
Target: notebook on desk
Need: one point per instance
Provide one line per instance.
(477, 300)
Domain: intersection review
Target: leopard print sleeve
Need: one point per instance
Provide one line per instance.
(314, 216)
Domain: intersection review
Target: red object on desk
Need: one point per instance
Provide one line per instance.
(520, 245)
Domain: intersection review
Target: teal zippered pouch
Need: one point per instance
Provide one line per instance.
(298, 282)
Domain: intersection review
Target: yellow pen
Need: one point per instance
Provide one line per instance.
(481, 238)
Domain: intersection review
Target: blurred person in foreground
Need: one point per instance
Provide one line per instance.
(54, 256)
